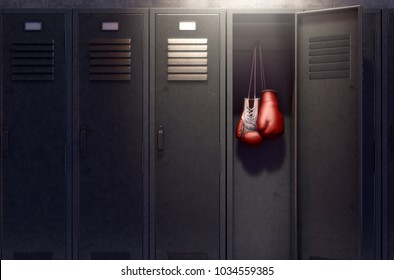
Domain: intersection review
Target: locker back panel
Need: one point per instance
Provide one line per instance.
(187, 122)
(34, 92)
(110, 86)
(261, 173)
(390, 136)
(328, 135)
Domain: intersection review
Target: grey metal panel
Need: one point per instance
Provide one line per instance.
(259, 178)
(111, 139)
(36, 146)
(328, 143)
(187, 183)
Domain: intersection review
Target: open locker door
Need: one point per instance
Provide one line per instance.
(328, 133)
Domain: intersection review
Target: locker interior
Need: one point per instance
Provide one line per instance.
(259, 178)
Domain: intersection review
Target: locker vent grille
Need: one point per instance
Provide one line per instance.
(329, 57)
(33, 61)
(110, 60)
(187, 59)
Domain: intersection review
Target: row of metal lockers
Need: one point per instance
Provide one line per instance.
(117, 135)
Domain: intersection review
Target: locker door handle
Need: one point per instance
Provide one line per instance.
(160, 138)
(82, 141)
(5, 141)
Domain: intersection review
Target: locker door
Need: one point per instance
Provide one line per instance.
(388, 135)
(328, 133)
(35, 136)
(109, 94)
(187, 150)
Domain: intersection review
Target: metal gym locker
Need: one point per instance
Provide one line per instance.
(335, 157)
(110, 134)
(187, 134)
(36, 131)
(388, 134)
(284, 198)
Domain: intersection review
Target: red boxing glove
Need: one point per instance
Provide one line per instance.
(246, 129)
(270, 123)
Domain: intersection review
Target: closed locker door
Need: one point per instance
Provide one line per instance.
(328, 134)
(35, 143)
(109, 126)
(187, 129)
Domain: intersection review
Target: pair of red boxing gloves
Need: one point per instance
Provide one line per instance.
(258, 123)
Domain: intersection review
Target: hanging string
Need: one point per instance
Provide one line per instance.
(253, 74)
(255, 69)
(262, 72)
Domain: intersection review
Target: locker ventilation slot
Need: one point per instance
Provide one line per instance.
(329, 57)
(110, 60)
(33, 61)
(187, 59)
